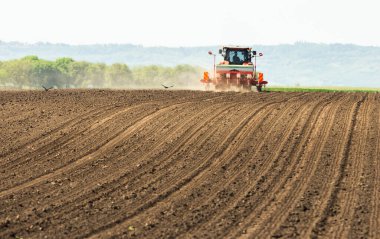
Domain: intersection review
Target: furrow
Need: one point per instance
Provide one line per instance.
(184, 181)
(71, 151)
(297, 174)
(111, 186)
(329, 209)
(59, 145)
(111, 143)
(375, 214)
(234, 169)
(365, 212)
(110, 183)
(352, 185)
(236, 133)
(40, 139)
(244, 200)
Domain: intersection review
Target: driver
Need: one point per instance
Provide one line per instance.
(235, 58)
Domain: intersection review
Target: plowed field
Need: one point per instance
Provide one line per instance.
(184, 164)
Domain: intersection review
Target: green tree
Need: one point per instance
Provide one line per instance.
(65, 66)
(18, 72)
(95, 74)
(78, 71)
(118, 75)
(3, 74)
(40, 72)
(45, 73)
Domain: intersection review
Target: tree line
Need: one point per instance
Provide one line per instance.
(33, 72)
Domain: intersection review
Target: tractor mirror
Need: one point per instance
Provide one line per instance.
(253, 53)
(220, 51)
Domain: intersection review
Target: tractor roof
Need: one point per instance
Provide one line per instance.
(236, 47)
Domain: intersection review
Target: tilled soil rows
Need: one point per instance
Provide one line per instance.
(188, 164)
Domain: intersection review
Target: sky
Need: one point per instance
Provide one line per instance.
(176, 23)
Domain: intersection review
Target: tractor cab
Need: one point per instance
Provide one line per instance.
(236, 55)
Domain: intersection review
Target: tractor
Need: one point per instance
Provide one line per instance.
(236, 71)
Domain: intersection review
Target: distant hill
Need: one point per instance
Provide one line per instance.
(303, 64)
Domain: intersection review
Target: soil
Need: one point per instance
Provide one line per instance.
(189, 164)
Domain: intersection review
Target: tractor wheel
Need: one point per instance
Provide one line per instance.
(259, 88)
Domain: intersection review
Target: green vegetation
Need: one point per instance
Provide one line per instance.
(31, 72)
(325, 89)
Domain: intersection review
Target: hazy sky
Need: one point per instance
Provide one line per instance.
(190, 23)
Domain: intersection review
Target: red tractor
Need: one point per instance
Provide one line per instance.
(236, 71)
